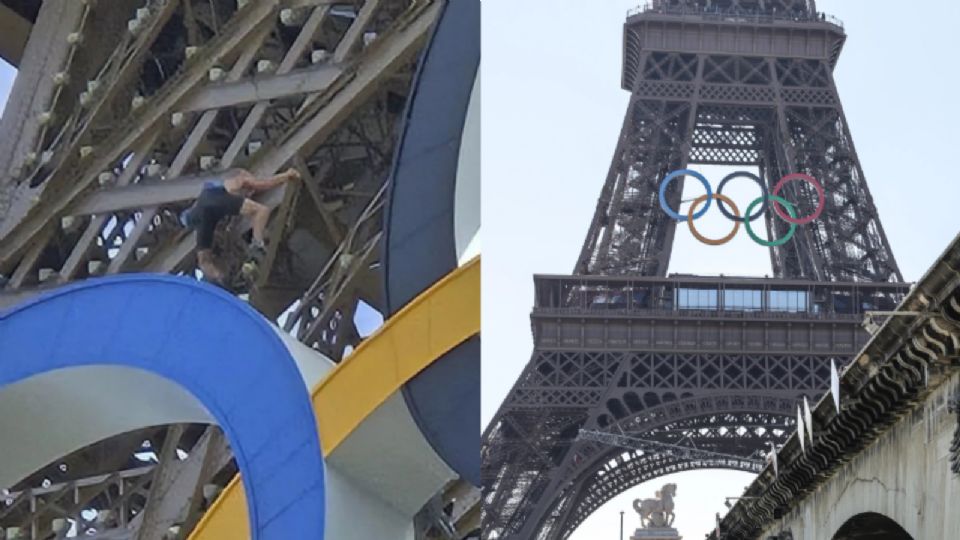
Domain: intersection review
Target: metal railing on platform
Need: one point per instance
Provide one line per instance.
(735, 15)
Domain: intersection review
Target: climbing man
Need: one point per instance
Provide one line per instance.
(229, 195)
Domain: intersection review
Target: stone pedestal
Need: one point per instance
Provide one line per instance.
(658, 533)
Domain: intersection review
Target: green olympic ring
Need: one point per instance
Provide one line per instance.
(790, 233)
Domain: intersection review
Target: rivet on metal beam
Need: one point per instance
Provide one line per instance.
(290, 17)
(143, 13)
(45, 118)
(85, 98)
(46, 157)
(319, 55)
(208, 162)
(253, 146)
(190, 51)
(85, 151)
(106, 178)
(176, 119)
(265, 66)
(141, 252)
(138, 102)
(74, 38)
(368, 38)
(93, 85)
(133, 25)
(30, 158)
(216, 74)
(94, 268)
(67, 222)
(61, 78)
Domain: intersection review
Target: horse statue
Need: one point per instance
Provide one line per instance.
(657, 512)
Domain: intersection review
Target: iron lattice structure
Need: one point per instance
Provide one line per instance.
(715, 363)
(140, 102)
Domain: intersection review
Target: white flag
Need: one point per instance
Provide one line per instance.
(800, 434)
(835, 384)
(772, 457)
(808, 417)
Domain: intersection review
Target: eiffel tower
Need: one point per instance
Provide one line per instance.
(690, 372)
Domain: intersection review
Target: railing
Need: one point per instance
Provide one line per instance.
(712, 296)
(735, 15)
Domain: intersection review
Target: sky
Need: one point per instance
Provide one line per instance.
(552, 112)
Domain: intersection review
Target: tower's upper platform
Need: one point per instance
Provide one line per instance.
(778, 28)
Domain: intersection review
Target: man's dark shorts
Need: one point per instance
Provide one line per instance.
(213, 204)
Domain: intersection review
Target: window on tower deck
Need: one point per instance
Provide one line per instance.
(788, 301)
(742, 300)
(696, 298)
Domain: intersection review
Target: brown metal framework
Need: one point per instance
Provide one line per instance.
(715, 363)
(114, 137)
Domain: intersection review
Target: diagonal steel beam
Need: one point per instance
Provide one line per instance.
(355, 32)
(260, 89)
(187, 151)
(112, 150)
(296, 51)
(326, 115)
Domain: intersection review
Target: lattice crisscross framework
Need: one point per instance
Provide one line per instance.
(716, 363)
(143, 101)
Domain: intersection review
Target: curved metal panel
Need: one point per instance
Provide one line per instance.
(420, 245)
(445, 401)
(216, 348)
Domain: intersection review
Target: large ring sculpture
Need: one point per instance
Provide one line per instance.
(207, 346)
(779, 203)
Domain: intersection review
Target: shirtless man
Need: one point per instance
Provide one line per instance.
(229, 195)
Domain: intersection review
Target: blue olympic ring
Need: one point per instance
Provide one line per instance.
(676, 174)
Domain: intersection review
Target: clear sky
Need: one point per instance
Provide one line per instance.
(551, 115)
(7, 74)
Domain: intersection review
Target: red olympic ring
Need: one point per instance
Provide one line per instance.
(820, 193)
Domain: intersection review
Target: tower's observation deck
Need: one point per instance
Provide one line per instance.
(784, 28)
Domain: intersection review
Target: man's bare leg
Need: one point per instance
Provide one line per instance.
(207, 265)
(259, 215)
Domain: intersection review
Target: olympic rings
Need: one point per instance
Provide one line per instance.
(763, 196)
(704, 239)
(786, 238)
(820, 193)
(764, 201)
(663, 193)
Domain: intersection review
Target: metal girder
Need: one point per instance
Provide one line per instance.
(355, 32)
(304, 39)
(257, 89)
(82, 248)
(178, 486)
(325, 115)
(115, 147)
(186, 153)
